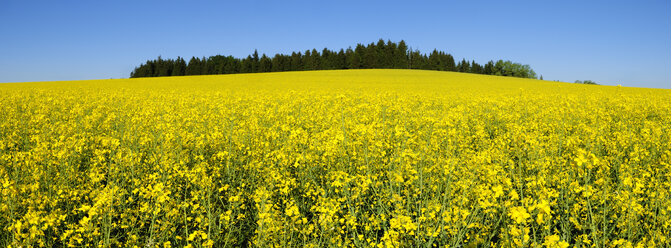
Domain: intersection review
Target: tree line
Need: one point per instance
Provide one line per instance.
(586, 82)
(380, 55)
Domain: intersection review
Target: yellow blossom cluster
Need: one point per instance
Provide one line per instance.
(356, 158)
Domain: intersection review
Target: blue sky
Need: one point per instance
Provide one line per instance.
(611, 42)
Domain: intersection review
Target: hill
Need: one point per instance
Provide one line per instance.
(402, 158)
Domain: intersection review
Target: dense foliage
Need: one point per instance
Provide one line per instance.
(389, 55)
(585, 82)
(352, 158)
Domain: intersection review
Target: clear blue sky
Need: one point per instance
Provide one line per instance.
(611, 42)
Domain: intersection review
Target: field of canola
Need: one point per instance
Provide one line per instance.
(358, 158)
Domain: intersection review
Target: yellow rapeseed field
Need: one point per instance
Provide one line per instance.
(360, 158)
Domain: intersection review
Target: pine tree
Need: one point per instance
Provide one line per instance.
(246, 65)
(356, 59)
(463, 66)
(489, 68)
(296, 61)
(434, 61)
(340, 60)
(416, 60)
(380, 54)
(307, 60)
(476, 68)
(163, 68)
(277, 63)
(316, 60)
(370, 57)
(401, 56)
(193, 68)
(255, 61)
(232, 65)
(450, 63)
(207, 68)
(265, 65)
(326, 60)
(179, 68)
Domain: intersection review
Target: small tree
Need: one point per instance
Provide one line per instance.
(586, 82)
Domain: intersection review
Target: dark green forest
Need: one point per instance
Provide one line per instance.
(380, 55)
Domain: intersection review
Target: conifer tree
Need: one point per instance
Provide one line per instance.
(193, 68)
(380, 54)
(179, 67)
(370, 57)
(340, 60)
(434, 61)
(232, 65)
(401, 56)
(255, 61)
(297, 62)
(326, 60)
(246, 66)
(265, 64)
(416, 60)
(307, 60)
(489, 68)
(463, 66)
(476, 68)
(450, 63)
(316, 60)
(277, 63)
(356, 59)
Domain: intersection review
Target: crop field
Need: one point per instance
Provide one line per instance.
(355, 158)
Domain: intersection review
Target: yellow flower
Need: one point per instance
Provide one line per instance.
(553, 241)
(498, 191)
(519, 214)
